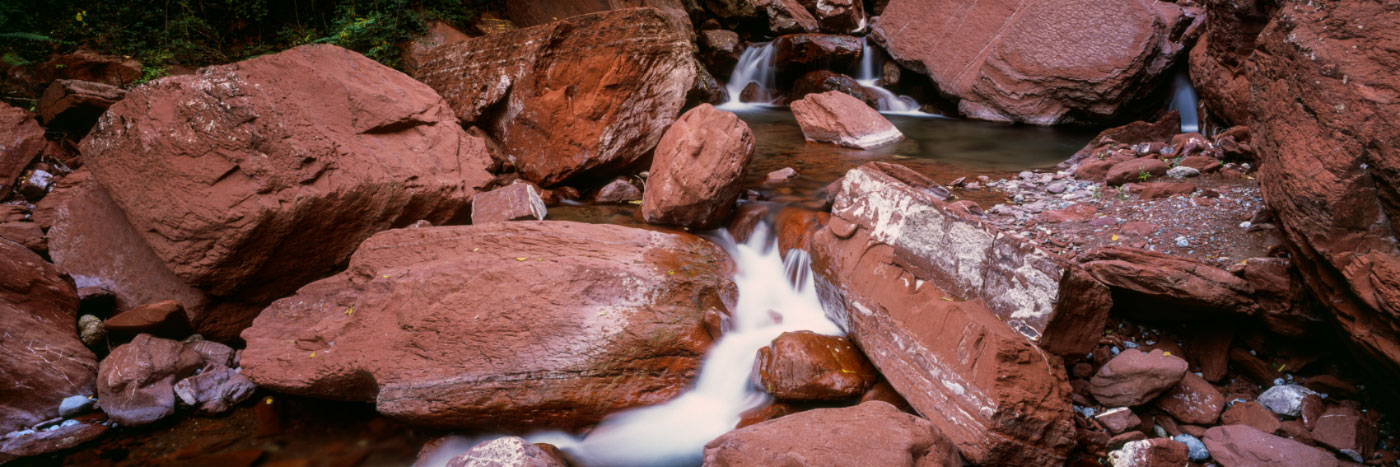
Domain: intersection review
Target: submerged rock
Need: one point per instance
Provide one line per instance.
(503, 325)
(1042, 62)
(872, 433)
(836, 117)
(589, 94)
(697, 172)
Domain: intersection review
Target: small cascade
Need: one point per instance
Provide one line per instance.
(1184, 103)
(869, 76)
(755, 66)
(675, 433)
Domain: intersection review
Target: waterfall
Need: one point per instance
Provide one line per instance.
(675, 433)
(755, 66)
(869, 76)
(1184, 103)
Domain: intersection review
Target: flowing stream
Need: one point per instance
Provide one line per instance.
(1184, 103)
(756, 65)
(869, 76)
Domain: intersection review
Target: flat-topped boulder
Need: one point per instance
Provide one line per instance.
(836, 117)
(585, 95)
(503, 325)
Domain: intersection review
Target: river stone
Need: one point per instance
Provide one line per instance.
(836, 117)
(1134, 377)
(1285, 399)
(698, 169)
(525, 324)
(809, 366)
(136, 382)
(872, 433)
(588, 94)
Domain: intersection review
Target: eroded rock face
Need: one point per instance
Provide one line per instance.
(136, 382)
(697, 172)
(1220, 59)
(1153, 285)
(504, 325)
(809, 366)
(872, 433)
(41, 359)
(252, 178)
(941, 344)
(836, 117)
(21, 142)
(75, 105)
(589, 93)
(782, 16)
(1322, 124)
(1041, 62)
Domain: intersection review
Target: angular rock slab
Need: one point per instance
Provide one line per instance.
(1241, 445)
(1051, 301)
(590, 93)
(999, 397)
(41, 359)
(255, 177)
(504, 325)
(698, 169)
(872, 433)
(836, 117)
(1323, 104)
(21, 142)
(1041, 62)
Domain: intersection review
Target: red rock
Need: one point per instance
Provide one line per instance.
(797, 54)
(1333, 386)
(873, 433)
(1316, 82)
(215, 390)
(1159, 452)
(1157, 285)
(22, 141)
(1093, 170)
(1219, 61)
(764, 413)
(819, 81)
(1118, 420)
(746, 218)
(51, 440)
(91, 240)
(1253, 368)
(936, 341)
(698, 169)
(838, 118)
(883, 392)
(1007, 60)
(25, 233)
(795, 227)
(135, 383)
(1344, 429)
(87, 65)
(75, 105)
(514, 202)
(1163, 190)
(1253, 414)
(620, 190)
(575, 108)
(780, 176)
(1134, 170)
(1125, 438)
(1166, 126)
(438, 33)
(1210, 350)
(1077, 213)
(214, 353)
(607, 315)
(1138, 228)
(161, 319)
(1310, 409)
(1240, 445)
(41, 359)
(1193, 401)
(720, 49)
(237, 172)
(782, 16)
(1205, 164)
(506, 451)
(1134, 378)
(809, 366)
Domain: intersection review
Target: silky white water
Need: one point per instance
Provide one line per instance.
(868, 75)
(755, 66)
(1184, 103)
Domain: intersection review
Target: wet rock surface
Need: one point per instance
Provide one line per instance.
(836, 117)
(698, 169)
(872, 433)
(390, 329)
(809, 366)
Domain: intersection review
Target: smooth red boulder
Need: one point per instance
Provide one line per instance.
(872, 433)
(503, 325)
(697, 171)
(514, 202)
(1119, 420)
(136, 382)
(252, 178)
(1044, 62)
(903, 293)
(22, 141)
(75, 105)
(836, 117)
(620, 190)
(161, 319)
(1159, 452)
(1163, 190)
(1241, 446)
(1134, 377)
(1251, 413)
(569, 107)
(1136, 171)
(41, 359)
(1329, 168)
(809, 366)
(1193, 401)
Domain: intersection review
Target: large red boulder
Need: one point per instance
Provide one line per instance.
(1220, 59)
(1043, 62)
(1157, 286)
(21, 140)
(252, 178)
(1241, 445)
(1323, 124)
(41, 359)
(502, 325)
(586, 95)
(836, 117)
(698, 169)
(809, 366)
(782, 16)
(872, 433)
(948, 310)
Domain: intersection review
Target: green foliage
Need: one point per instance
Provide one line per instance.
(160, 33)
(1144, 175)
